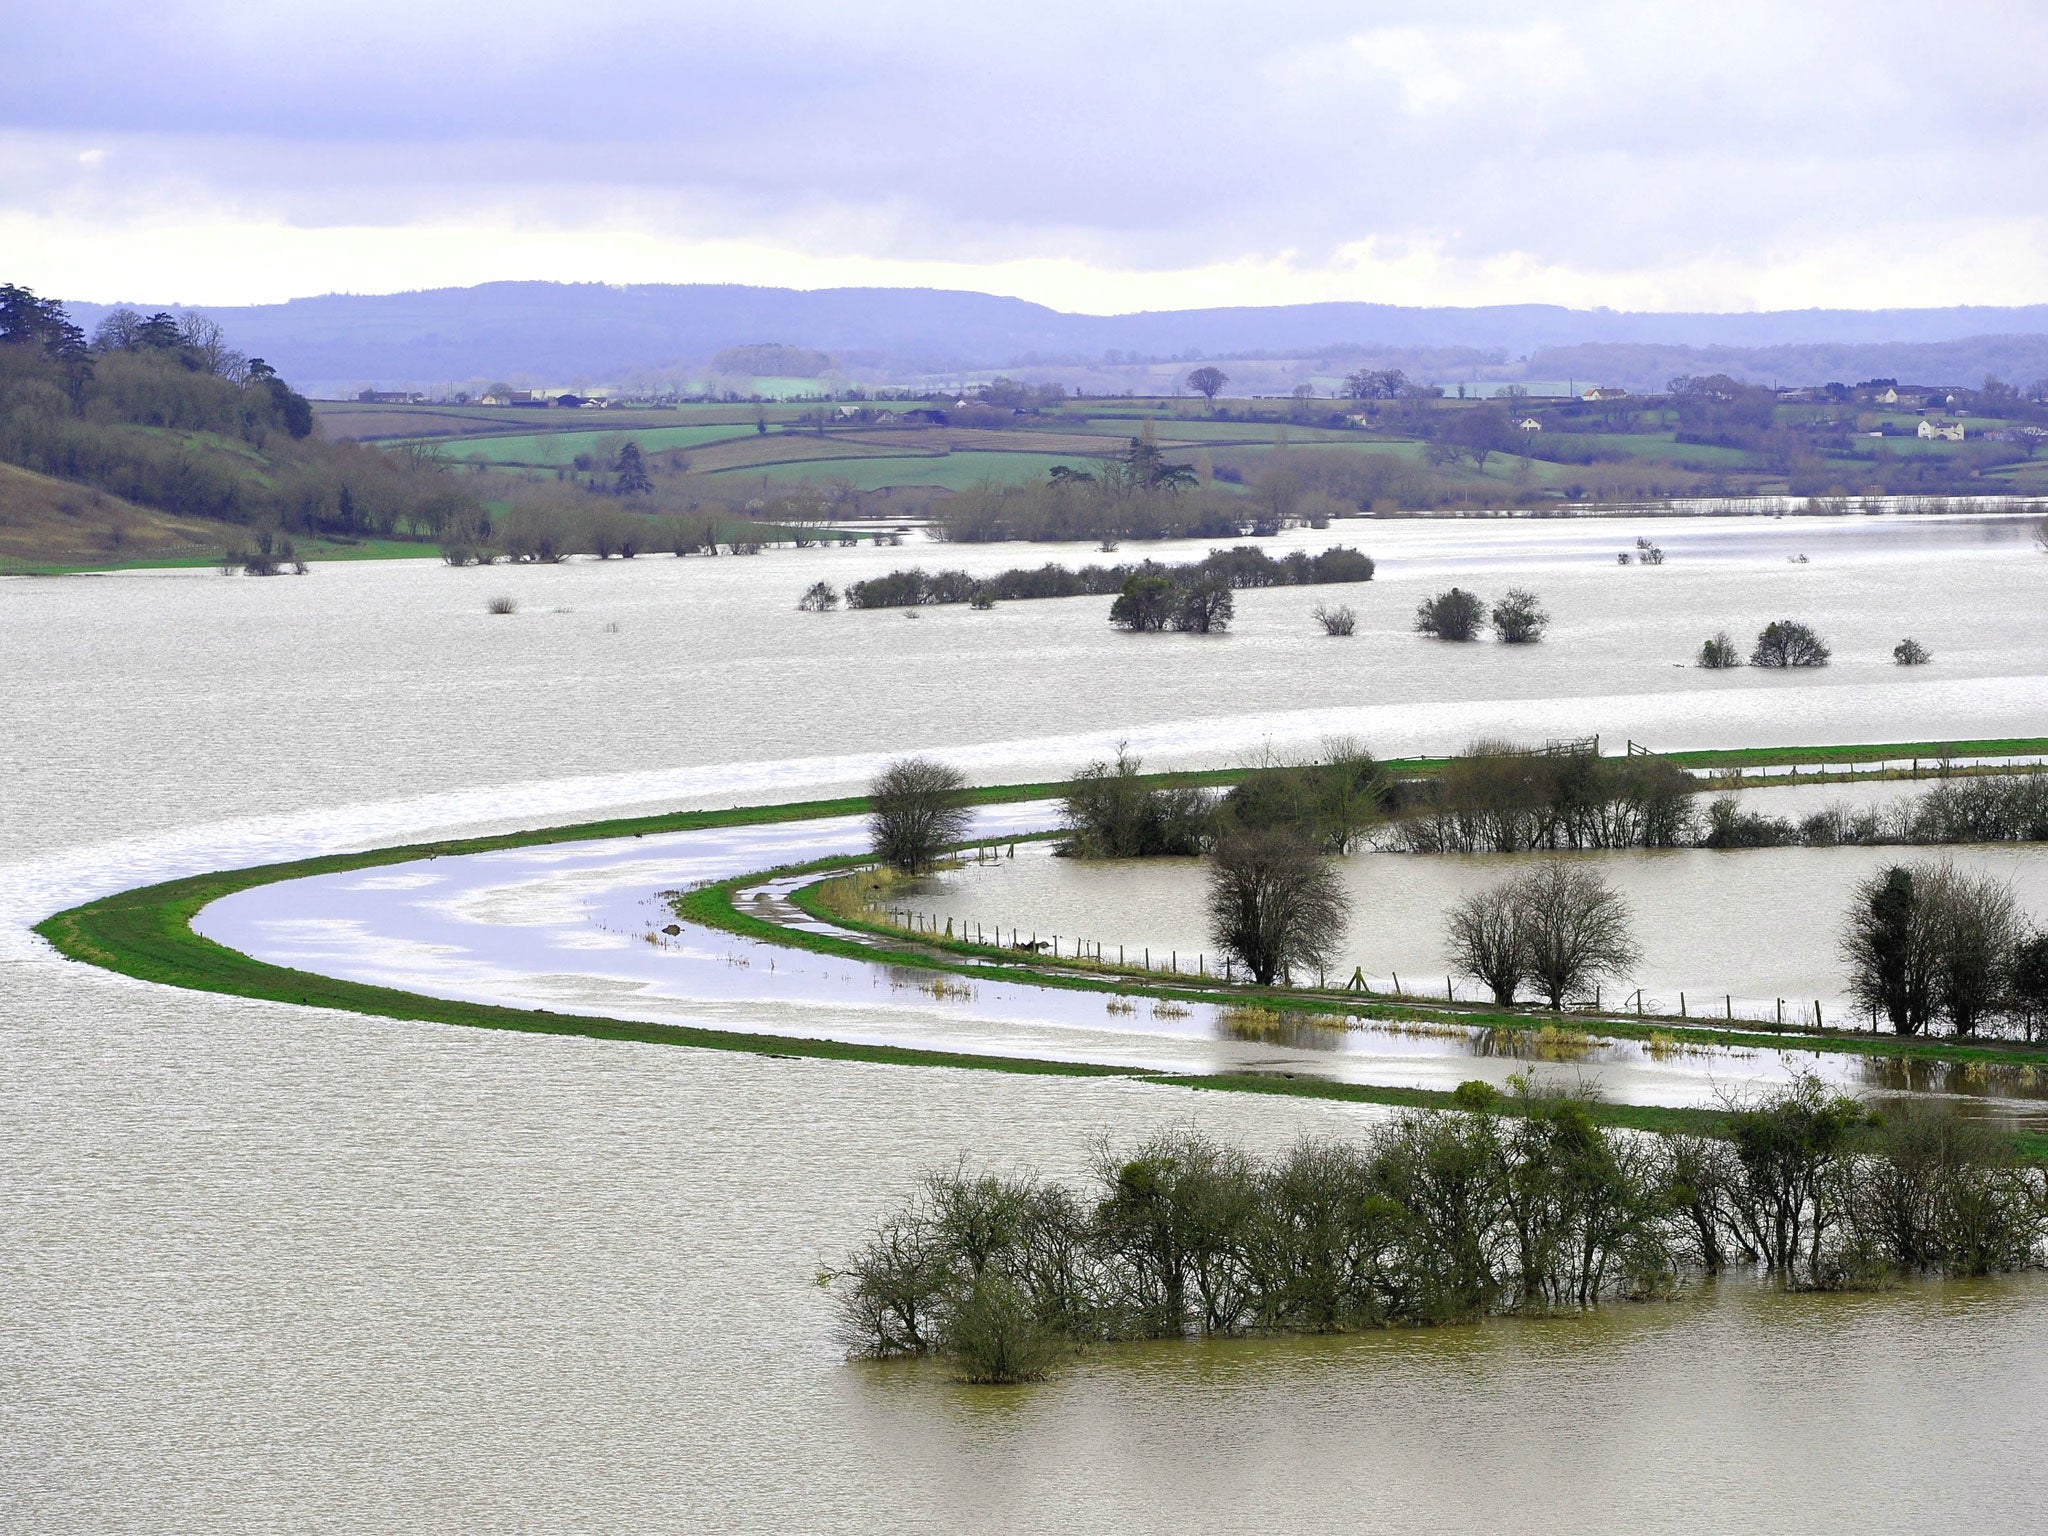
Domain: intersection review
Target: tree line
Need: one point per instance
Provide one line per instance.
(1518, 1204)
(1234, 569)
(161, 410)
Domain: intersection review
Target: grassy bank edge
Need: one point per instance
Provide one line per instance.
(146, 933)
(712, 906)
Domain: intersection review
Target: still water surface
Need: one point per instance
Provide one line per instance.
(271, 1268)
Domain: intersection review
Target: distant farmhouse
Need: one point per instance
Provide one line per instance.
(1932, 427)
(1529, 424)
(1604, 392)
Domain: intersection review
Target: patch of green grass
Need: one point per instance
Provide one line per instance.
(952, 471)
(147, 933)
(1929, 752)
(550, 449)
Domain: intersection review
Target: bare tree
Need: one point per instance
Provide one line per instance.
(1575, 929)
(1977, 932)
(1485, 941)
(917, 808)
(1206, 382)
(1274, 902)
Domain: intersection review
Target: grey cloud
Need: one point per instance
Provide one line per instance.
(1145, 135)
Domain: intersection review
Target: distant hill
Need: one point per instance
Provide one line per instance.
(560, 333)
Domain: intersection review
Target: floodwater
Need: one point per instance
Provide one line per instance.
(275, 1268)
(582, 928)
(1713, 924)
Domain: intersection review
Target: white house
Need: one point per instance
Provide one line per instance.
(1529, 424)
(1947, 431)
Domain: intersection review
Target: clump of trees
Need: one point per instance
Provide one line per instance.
(1497, 798)
(1275, 902)
(1330, 803)
(161, 410)
(1148, 604)
(1926, 943)
(819, 597)
(1557, 927)
(1339, 621)
(1521, 1204)
(1719, 653)
(1911, 653)
(1788, 643)
(1108, 812)
(1232, 569)
(1985, 808)
(917, 808)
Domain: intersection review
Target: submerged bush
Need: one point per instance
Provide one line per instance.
(1110, 813)
(1452, 615)
(1788, 643)
(1231, 569)
(1515, 1203)
(1719, 653)
(1498, 798)
(1335, 621)
(1518, 618)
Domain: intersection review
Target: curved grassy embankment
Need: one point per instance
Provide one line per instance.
(147, 933)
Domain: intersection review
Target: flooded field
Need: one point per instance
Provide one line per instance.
(274, 1267)
(1732, 932)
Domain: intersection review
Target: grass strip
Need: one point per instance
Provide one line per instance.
(147, 933)
(712, 906)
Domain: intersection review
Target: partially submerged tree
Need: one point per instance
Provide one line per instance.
(1110, 813)
(1274, 902)
(1145, 605)
(1719, 653)
(917, 809)
(1204, 606)
(1911, 653)
(1518, 618)
(1452, 615)
(1788, 643)
(1329, 803)
(1335, 621)
(819, 597)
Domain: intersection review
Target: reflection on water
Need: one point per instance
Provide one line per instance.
(1740, 934)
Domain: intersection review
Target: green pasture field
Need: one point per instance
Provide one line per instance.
(553, 448)
(951, 471)
(146, 933)
(1661, 446)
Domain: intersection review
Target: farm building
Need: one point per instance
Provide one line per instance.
(1947, 431)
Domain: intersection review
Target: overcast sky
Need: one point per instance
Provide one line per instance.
(1098, 157)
